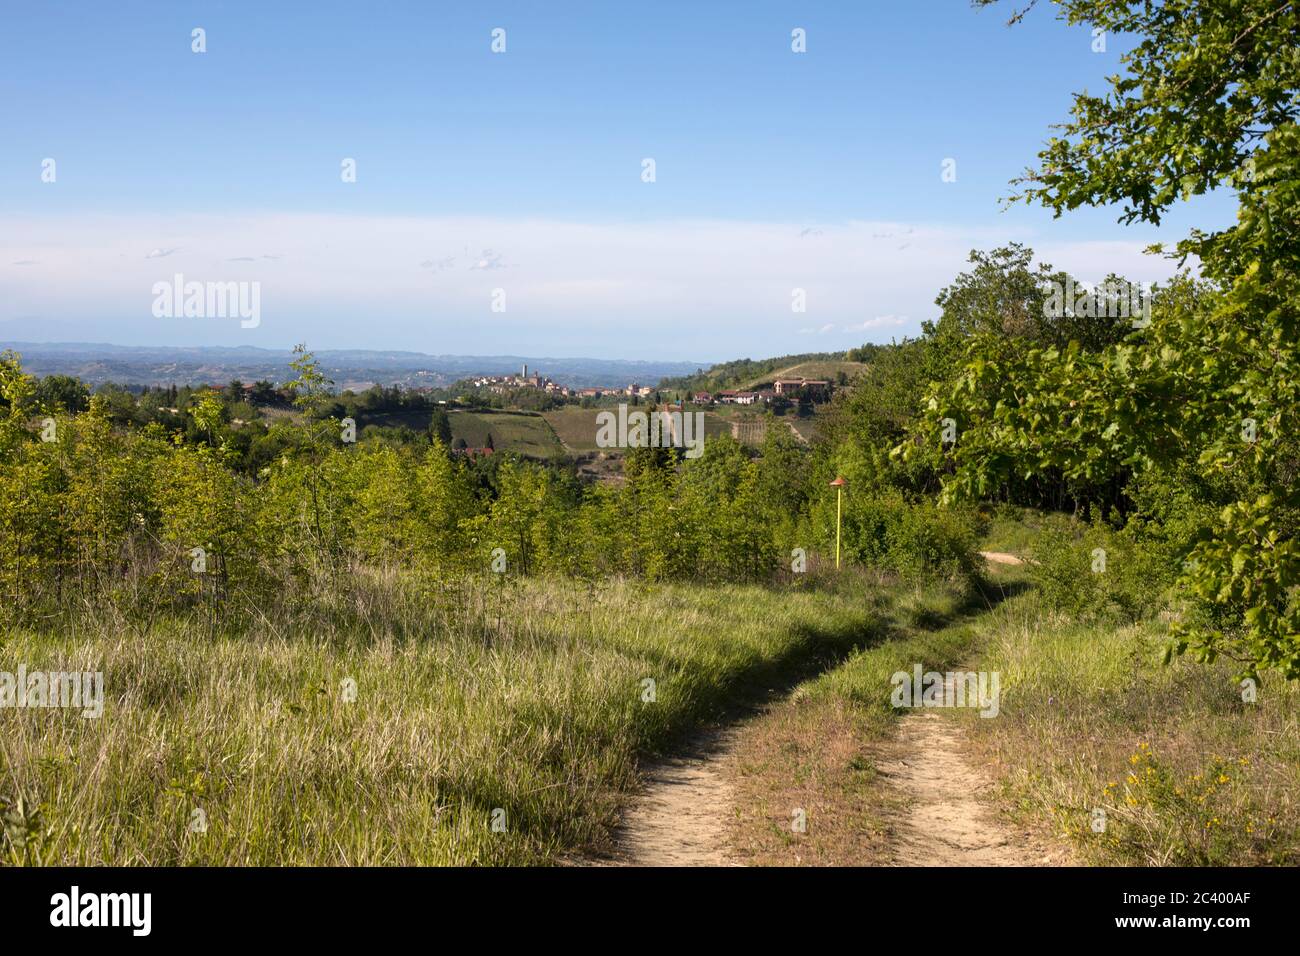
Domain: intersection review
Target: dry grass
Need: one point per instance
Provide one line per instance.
(472, 695)
(1184, 771)
(814, 755)
(819, 749)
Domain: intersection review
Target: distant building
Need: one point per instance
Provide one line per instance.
(746, 398)
(501, 384)
(813, 388)
(702, 398)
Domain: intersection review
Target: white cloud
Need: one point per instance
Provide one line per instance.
(695, 289)
(879, 322)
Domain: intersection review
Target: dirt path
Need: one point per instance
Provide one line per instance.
(947, 821)
(1000, 557)
(940, 809)
(681, 819)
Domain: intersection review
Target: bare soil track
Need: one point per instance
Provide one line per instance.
(948, 819)
(681, 819)
(1001, 557)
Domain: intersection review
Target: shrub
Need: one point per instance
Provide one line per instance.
(867, 524)
(1156, 816)
(1094, 573)
(919, 542)
(928, 542)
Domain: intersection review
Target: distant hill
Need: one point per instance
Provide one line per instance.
(748, 373)
(828, 369)
(96, 363)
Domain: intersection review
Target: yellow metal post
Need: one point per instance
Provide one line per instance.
(838, 485)
(839, 498)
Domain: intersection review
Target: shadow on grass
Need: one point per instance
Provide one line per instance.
(690, 726)
(817, 650)
(984, 597)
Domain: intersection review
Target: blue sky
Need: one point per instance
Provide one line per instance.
(521, 171)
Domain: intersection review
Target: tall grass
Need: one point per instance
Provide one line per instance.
(934, 626)
(1140, 762)
(527, 696)
(1182, 768)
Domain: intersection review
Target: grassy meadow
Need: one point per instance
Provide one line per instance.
(526, 696)
(1184, 771)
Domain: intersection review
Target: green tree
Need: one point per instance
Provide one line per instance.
(440, 426)
(1208, 98)
(16, 393)
(62, 393)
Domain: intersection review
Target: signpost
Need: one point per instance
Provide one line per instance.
(838, 484)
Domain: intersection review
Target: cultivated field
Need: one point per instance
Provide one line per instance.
(576, 427)
(526, 433)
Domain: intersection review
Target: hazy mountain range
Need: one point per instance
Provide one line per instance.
(95, 363)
